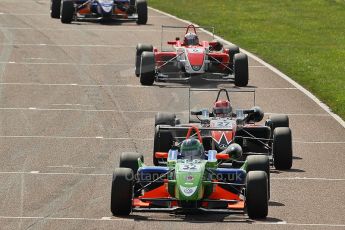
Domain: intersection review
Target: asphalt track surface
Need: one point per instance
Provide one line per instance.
(70, 104)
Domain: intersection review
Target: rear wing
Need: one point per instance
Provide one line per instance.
(203, 28)
(182, 132)
(226, 91)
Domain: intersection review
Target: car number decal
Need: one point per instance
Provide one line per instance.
(189, 168)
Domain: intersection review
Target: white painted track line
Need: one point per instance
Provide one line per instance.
(307, 178)
(79, 30)
(66, 45)
(275, 70)
(57, 173)
(118, 85)
(73, 84)
(68, 137)
(22, 14)
(66, 63)
(84, 110)
(108, 174)
(160, 219)
(64, 218)
(144, 139)
(319, 142)
(302, 114)
(302, 224)
(134, 111)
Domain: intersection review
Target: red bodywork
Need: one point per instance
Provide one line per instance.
(196, 54)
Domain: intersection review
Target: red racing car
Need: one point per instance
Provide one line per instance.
(191, 57)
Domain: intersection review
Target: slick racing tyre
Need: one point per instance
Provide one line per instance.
(142, 12)
(163, 141)
(218, 46)
(55, 6)
(279, 120)
(282, 148)
(67, 11)
(232, 51)
(241, 69)
(260, 163)
(147, 68)
(256, 195)
(122, 191)
(165, 119)
(130, 160)
(140, 49)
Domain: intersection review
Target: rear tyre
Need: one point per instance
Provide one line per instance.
(165, 119)
(130, 160)
(232, 51)
(260, 163)
(241, 69)
(218, 46)
(142, 12)
(256, 195)
(122, 191)
(140, 49)
(279, 120)
(147, 68)
(163, 141)
(282, 148)
(55, 7)
(67, 11)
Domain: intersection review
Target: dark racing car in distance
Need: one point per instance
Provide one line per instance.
(273, 138)
(193, 180)
(69, 10)
(189, 58)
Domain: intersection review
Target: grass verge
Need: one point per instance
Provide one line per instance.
(305, 39)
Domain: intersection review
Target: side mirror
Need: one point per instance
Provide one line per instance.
(211, 156)
(161, 155)
(234, 150)
(239, 114)
(222, 156)
(172, 155)
(177, 38)
(196, 112)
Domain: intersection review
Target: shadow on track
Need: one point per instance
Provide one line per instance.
(200, 218)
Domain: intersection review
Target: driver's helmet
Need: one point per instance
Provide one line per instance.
(191, 39)
(192, 149)
(222, 108)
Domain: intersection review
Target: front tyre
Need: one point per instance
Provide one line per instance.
(55, 7)
(147, 68)
(142, 12)
(241, 69)
(260, 163)
(122, 191)
(282, 148)
(257, 194)
(67, 11)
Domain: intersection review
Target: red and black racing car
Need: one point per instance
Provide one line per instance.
(273, 138)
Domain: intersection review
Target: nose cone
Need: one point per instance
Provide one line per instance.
(107, 7)
(188, 191)
(189, 177)
(196, 56)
